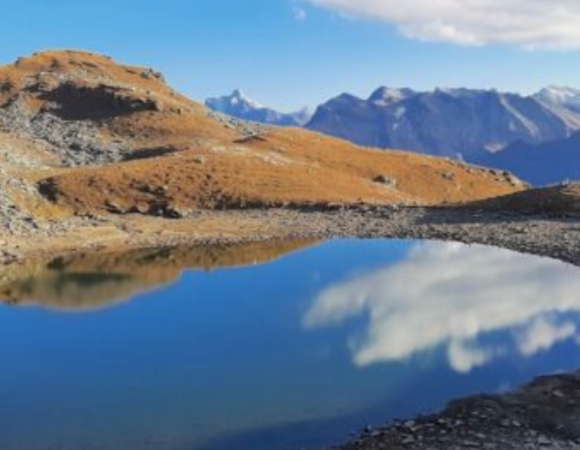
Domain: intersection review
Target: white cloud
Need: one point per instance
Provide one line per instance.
(543, 334)
(464, 357)
(453, 295)
(525, 23)
(299, 13)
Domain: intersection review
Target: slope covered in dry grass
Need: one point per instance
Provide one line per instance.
(118, 138)
(282, 167)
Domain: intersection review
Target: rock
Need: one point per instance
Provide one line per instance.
(151, 74)
(172, 212)
(142, 208)
(383, 179)
(558, 394)
(544, 441)
(114, 207)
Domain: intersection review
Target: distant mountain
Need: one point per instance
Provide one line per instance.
(238, 105)
(457, 123)
(564, 97)
(542, 164)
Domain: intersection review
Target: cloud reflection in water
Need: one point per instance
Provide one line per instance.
(453, 295)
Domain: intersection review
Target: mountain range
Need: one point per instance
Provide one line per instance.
(457, 123)
(534, 136)
(242, 107)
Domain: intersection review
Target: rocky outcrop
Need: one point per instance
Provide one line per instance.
(73, 101)
(542, 415)
(88, 110)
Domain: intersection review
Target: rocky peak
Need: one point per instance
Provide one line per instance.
(386, 95)
(560, 96)
(238, 105)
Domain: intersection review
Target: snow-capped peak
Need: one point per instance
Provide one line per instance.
(559, 95)
(238, 97)
(236, 101)
(237, 104)
(389, 95)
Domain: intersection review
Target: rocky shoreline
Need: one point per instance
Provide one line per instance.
(542, 415)
(542, 235)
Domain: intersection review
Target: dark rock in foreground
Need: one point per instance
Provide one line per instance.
(542, 415)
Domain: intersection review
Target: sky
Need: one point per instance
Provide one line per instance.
(294, 53)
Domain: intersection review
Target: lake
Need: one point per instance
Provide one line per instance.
(278, 346)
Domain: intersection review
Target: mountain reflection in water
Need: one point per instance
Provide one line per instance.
(95, 280)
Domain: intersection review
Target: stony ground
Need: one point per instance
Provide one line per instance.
(543, 415)
(542, 235)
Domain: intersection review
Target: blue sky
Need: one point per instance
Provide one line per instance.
(279, 57)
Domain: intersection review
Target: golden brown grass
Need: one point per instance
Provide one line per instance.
(284, 167)
(213, 165)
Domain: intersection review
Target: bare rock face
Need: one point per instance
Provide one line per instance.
(71, 101)
(76, 142)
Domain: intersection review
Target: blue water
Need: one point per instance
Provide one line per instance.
(287, 355)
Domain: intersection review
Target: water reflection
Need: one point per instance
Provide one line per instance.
(454, 296)
(294, 354)
(88, 281)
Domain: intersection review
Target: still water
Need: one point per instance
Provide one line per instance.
(269, 346)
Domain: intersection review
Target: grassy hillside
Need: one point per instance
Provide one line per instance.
(101, 137)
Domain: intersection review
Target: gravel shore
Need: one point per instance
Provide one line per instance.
(549, 236)
(542, 415)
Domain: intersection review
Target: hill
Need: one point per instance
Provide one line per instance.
(100, 137)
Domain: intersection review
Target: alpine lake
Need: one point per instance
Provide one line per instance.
(269, 346)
